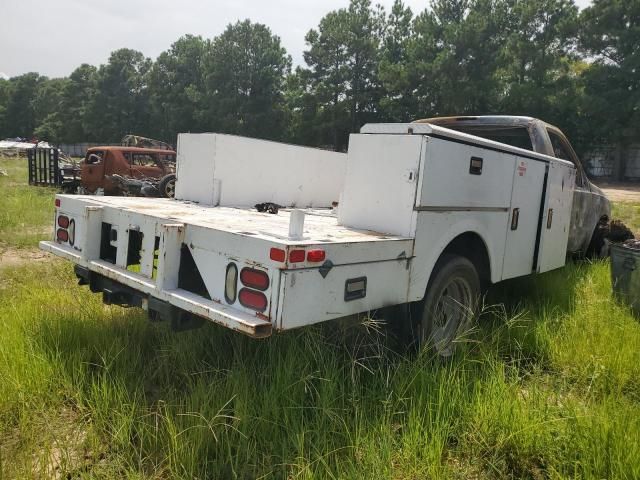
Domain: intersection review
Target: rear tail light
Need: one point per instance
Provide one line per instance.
(253, 300)
(277, 255)
(315, 256)
(296, 256)
(62, 235)
(57, 202)
(63, 221)
(231, 283)
(253, 278)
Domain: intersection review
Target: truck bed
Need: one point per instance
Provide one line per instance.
(320, 226)
(142, 251)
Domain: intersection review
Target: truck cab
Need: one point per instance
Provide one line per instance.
(591, 208)
(102, 162)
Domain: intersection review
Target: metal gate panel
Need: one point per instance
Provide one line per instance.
(44, 167)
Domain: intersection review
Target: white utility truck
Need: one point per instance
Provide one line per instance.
(414, 214)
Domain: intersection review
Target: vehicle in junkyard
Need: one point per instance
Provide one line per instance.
(415, 220)
(591, 210)
(143, 169)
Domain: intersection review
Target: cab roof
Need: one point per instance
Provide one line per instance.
(489, 120)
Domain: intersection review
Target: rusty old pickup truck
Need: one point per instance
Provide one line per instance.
(102, 163)
(591, 209)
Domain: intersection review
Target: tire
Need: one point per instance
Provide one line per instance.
(167, 186)
(450, 304)
(598, 247)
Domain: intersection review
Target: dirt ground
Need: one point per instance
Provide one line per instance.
(622, 192)
(13, 257)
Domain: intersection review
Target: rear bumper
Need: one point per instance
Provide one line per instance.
(139, 290)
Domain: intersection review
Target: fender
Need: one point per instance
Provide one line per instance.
(438, 229)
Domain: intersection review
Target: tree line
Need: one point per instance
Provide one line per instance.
(544, 58)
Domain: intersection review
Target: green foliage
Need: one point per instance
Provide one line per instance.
(120, 104)
(611, 33)
(77, 97)
(246, 67)
(20, 114)
(342, 59)
(399, 103)
(178, 98)
(26, 212)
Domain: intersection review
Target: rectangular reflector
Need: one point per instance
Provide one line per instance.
(315, 256)
(277, 255)
(355, 288)
(296, 256)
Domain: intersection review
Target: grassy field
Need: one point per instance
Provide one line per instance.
(546, 386)
(25, 212)
(630, 213)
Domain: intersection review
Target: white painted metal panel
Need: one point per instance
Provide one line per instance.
(253, 171)
(447, 182)
(212, 266)
(528, 182)
(380, 185)
(216, 312)
(321, 225)
(247, 171)
(306, 297)
(195, 165)
(557, 216)
(435, 230)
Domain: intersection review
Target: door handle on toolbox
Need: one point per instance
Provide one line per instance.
(515, 216)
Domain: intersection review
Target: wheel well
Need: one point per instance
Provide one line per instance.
(471, 246)
(600, 231)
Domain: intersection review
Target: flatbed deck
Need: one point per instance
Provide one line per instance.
(320, 226)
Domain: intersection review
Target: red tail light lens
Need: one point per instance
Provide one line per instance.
(315, 256)
(253, 300)
(277, 255)
(63, 221)
(296, 256)
(57, 202)
(253, 278)
(62, 235)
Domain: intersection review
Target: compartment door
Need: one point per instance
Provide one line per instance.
(524, 217)
(557, 217)
(380, 185)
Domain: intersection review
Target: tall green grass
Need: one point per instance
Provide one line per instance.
(546, 387)
(26, 213)
(630, 213)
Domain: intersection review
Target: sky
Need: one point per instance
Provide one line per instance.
(53, 37)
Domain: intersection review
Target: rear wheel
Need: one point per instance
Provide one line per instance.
(598, 247)
(167, 186)
(450, 304)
